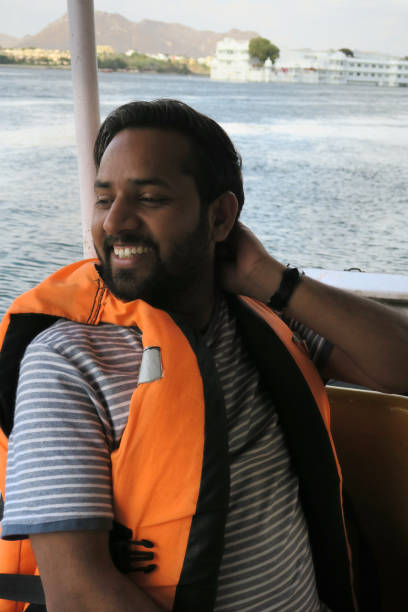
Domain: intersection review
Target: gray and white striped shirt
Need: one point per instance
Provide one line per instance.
(72, 407)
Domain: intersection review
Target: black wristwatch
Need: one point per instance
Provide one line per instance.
(290, 279)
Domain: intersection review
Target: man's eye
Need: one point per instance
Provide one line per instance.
(103, 202)
(153, 200)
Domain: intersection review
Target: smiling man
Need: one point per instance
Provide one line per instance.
(150, 231)
(169, 442)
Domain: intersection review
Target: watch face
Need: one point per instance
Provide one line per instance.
(295, 271)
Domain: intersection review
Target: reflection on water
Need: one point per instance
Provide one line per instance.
(324, 167)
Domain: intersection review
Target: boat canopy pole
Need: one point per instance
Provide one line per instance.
(86, 105)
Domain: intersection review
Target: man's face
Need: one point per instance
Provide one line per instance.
(150, 232)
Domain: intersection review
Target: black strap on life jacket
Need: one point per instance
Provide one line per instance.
(21, 330)
(21, 587)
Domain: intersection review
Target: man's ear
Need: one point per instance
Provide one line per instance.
(222, 214)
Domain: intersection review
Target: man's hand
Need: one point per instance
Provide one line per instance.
(245, 267)
(370, 340)
(77, 574)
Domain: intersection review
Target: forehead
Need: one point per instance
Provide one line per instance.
(145, 149)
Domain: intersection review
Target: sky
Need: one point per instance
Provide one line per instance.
(364, 25)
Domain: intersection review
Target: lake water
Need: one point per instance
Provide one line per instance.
(325, 168)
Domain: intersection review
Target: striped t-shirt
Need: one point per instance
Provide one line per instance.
(72, 407)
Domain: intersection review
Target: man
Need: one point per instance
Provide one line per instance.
(170, 448)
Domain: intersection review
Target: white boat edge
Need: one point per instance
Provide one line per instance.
(389, 288)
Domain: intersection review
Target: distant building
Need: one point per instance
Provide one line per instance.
(50, 57)
(105, 50)
(233, 63)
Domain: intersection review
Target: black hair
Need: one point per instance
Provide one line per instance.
(216, 166)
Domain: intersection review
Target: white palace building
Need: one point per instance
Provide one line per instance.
(233, 63)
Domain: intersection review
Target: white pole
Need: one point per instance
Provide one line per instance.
(86, 105)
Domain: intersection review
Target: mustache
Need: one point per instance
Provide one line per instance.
(128, 238)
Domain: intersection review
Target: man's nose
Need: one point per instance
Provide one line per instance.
(121, 216)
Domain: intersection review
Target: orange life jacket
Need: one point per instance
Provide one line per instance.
(171, 471)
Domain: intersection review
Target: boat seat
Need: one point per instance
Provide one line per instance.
(370, 432)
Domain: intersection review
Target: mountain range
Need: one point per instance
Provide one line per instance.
(145, 36)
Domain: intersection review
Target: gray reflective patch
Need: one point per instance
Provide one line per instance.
(151, 366)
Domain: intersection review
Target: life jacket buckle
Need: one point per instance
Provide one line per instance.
(125, 552)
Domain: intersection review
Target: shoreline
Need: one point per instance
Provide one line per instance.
(108, 70)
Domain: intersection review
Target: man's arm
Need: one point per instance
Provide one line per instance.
(77, 574)
(370, 340)
(59, 468)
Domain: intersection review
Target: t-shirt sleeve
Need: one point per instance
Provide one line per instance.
(58, 470)
(319, 348)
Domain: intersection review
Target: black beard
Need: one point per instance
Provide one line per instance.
(168, 280)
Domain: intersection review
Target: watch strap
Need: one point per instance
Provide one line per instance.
(290, 279)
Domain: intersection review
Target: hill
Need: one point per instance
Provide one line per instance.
(145, 36)
(8, 41)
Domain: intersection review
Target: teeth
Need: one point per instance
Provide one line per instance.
(126, 252)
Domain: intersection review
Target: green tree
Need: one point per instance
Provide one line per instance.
(262, 48)
(347, 52)
(144, 63)
(6, 59)
(112, 62)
